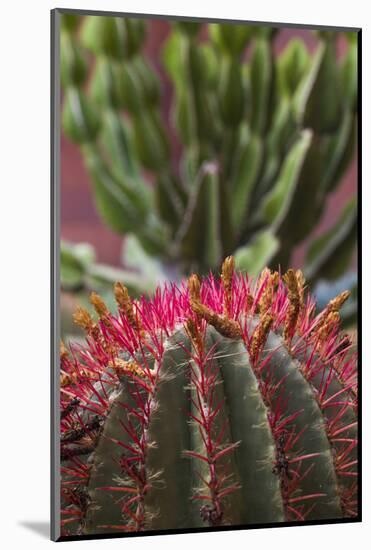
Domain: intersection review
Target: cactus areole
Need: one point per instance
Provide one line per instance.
(217, 403)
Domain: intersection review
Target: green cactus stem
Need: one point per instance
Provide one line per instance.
(280, 131)
(221, 402)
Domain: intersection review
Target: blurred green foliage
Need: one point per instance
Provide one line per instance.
(80, 274)
(79, 271)
(264, 139)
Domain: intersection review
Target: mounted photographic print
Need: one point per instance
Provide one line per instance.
(204, 286)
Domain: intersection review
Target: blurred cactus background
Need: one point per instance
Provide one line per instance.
(205, 140)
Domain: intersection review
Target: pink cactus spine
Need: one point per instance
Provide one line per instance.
(126, 352)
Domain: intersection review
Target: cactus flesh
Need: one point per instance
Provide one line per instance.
(221, 402)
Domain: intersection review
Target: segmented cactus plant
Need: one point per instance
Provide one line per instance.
(224, 402)
(263, 140)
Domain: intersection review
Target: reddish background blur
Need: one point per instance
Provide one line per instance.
(79, 219)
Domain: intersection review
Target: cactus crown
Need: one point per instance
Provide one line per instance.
(220, 402)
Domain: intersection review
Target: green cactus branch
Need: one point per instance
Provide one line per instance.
(278, 131)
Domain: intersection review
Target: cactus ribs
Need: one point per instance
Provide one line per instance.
(220, 402)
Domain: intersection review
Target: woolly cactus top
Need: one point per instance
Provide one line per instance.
(217, 402)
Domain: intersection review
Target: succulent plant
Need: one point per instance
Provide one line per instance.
(221, 402)
(263, 141)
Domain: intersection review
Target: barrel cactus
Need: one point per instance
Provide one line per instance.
(214, 403)
(247, 141)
